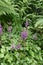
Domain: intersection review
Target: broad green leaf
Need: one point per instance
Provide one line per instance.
(39, 23)
(1, 55)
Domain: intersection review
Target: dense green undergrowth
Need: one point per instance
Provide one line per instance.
(21, 32)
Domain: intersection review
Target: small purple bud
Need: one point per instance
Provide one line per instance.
(18, 46)
(26, 24)
(9, 29)
(35, 37)
(24, 34)
(1, 30)
(12, 46)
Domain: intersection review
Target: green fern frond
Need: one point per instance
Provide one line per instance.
(6, 7)
(39, 23)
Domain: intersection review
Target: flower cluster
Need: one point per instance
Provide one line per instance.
(13, 46)
(18, 46)
(24, 34)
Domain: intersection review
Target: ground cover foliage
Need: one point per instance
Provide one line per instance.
(21, 32)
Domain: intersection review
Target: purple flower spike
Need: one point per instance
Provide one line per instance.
(18, 46)
(26, 24)
(12, 46)
(24, 34)
(9, 28)
(0, 29)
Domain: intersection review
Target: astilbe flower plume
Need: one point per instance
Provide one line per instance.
(1, 29)
(24, 34)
